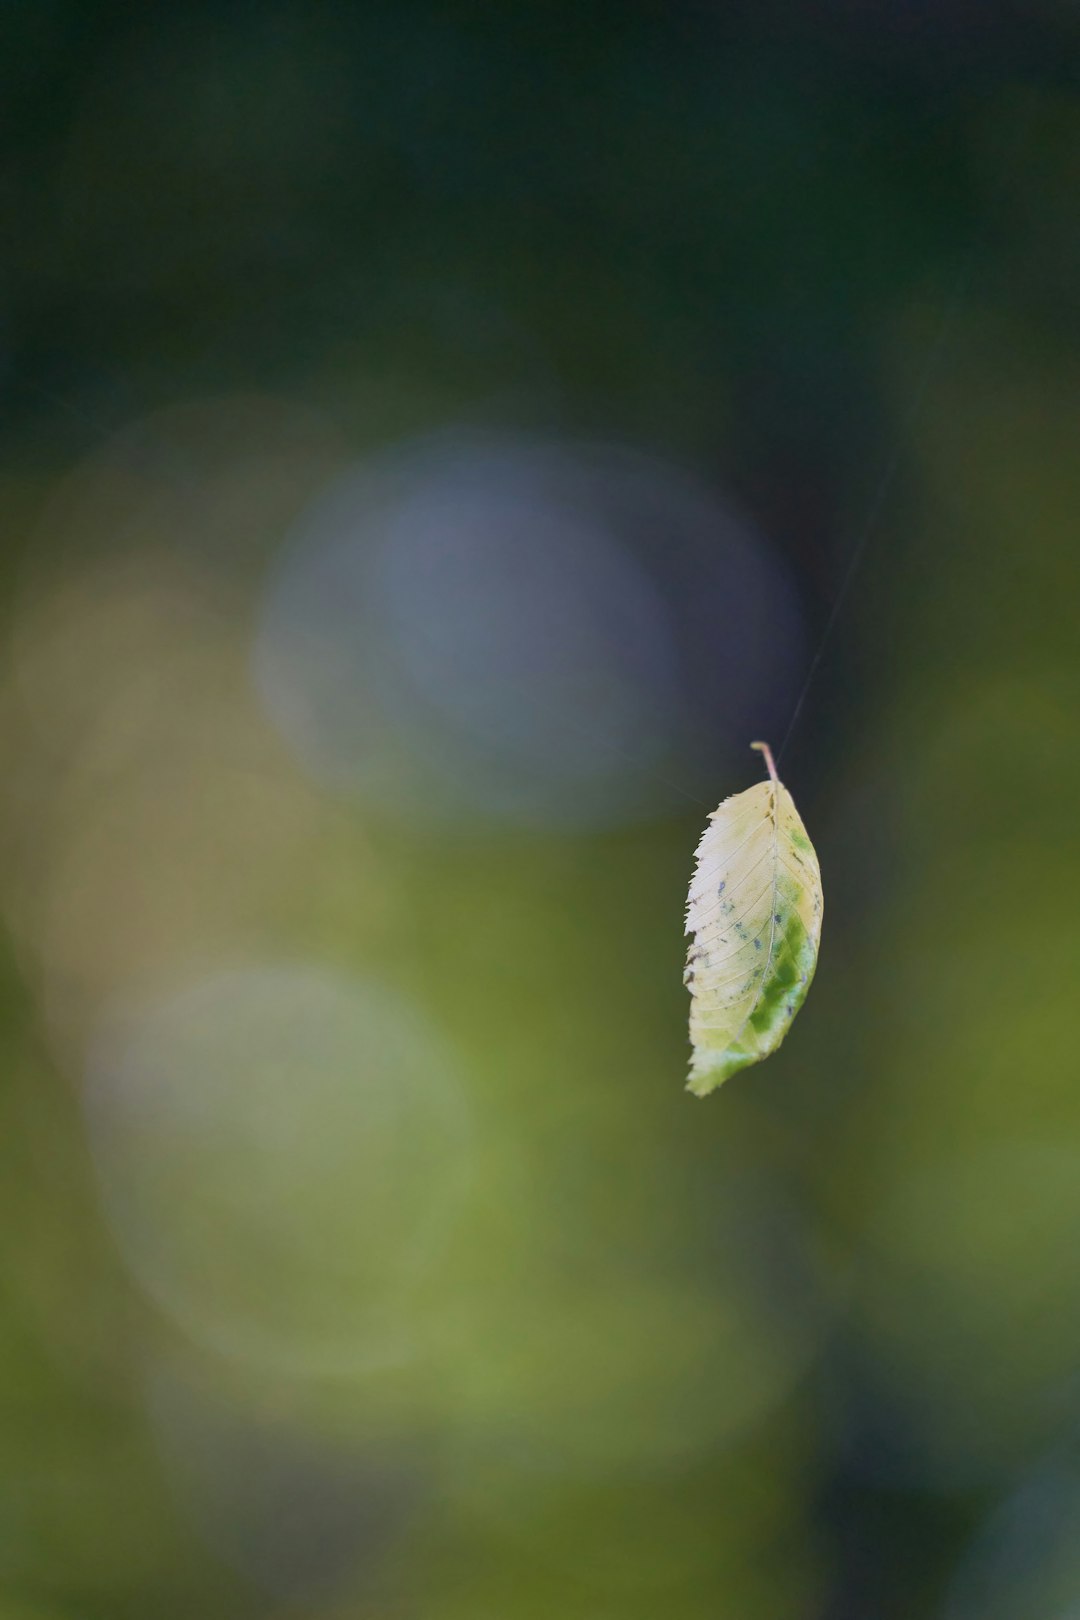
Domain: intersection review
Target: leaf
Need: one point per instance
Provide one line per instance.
(754, 911)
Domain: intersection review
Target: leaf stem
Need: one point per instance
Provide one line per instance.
(763, 748)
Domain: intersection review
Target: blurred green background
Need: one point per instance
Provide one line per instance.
(433, 441)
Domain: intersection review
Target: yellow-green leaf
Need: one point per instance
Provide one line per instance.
(754, 911)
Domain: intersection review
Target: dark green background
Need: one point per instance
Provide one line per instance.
(811, 1348)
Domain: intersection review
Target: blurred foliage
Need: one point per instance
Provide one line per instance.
(361, 1254)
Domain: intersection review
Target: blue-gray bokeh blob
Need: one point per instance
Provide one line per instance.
(507, 628)
(1025, 1561)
